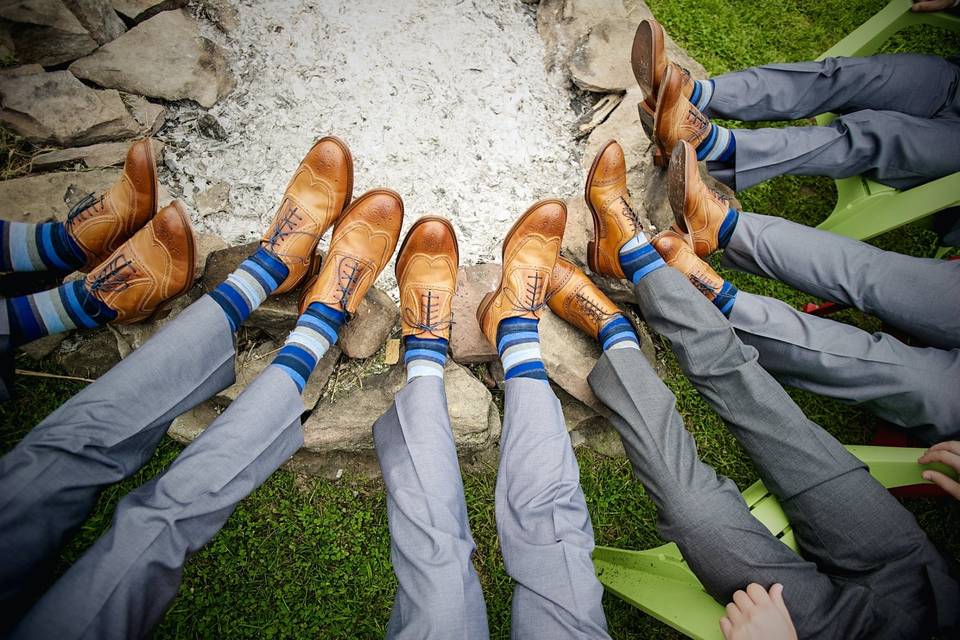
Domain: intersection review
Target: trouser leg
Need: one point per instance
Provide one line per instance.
(704, 514)
(121, 587)
(912, 387)
(843, 518)
(542, 520)
(438, 594)
(50, 481)
(913, 84)
(889, 147)
(917, 295)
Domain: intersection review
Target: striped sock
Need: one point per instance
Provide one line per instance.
(519, 346)
(424, 356)
(638, 258)
(247, 287)
(702, 92)
(725, 299)
(618, 333)
(69, 306)
(38, 247)
(719, 146)
(727, 227)
(317, 329)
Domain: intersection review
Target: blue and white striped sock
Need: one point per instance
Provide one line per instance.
(725, 298)
(727, 227)
(702, 92)
(246, 288)
(38, 247)
(424, 356)
(638, 258)
(618, 333)
(518, 343)
(317, 329)
(69, 306)
(719, 146)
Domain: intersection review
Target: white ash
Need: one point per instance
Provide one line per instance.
(446, 102)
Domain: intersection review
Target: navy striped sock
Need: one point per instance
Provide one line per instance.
(638, 258)
(719, 146)
(317, 329)
(424, 356)
(38, 247)
(69, 306)
(727, 227)
(247, 287)
(725, 298)
(702, 92)
(618, 333)
(518, 343)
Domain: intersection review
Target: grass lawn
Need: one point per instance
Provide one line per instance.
(308, 558)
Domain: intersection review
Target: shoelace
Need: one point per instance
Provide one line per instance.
(111, 278)
(429, 324)
(633, 215)
(529, 304)
(592, 309)
(284, 228)
(703, 285)
(349, 271)
(90, 204)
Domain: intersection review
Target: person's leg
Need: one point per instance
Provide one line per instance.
(917, 295)
(892, 148)
(911, 387)
(913, 84)
(842, 517)
(38, 247)
(121, 587)
(431, 548)
(542, 520)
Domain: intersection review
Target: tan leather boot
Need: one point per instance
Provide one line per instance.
(698, 210)
(427, 277)
(676, 252)
(530, 250)
(676, 118)
(317, 194)
(100, 225)
(649, 61)
(149, 269)
(575, 298)
(614, 220)
(363, 242)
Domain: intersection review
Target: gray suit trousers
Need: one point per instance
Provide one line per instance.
(912, 387)
(542, 520)
(900, 124)
(866, 570)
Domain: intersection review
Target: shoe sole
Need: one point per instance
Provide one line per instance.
(593, 253)
(152, 166)
(661, 99)
(648, 38)
(488, 298)
(677, 180)
(421, 220)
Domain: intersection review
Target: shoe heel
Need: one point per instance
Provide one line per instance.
(660, 159)
(592, 256)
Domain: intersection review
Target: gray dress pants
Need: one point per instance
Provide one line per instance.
(913, 387)
(900, 124)
(544, 528)
(49, 483)
(866, 570)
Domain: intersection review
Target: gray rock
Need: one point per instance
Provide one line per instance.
(225, 261)
(206, 244)
(98, 18)
(45, 32)
(599, 435)
(131, 337)
(21, 70)
(105, 154)
(468, 345)
(221, 13)
(601, 60)
(579, 231)
(89, 354)
(187, 426)
(140, 10)
(213, 200)
(210, 127)
(370, 326)
(148, 115)
(569, 356)
(345, 424)
(163, 57)
(57, 108)
(43, 347)
(49, 196)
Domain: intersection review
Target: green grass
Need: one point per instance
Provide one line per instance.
(310, 558)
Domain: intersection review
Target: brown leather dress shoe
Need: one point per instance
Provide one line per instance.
(698, 210)
(427, 276)
(575, 298)
(530, 250)
(676, 252)
(317, 194)
(100, 225)
(614, 220)
(676, 118)
(149, 269)
(363, 242)
(649, 61)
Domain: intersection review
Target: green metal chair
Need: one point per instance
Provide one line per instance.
(659, 582)
(865, 208)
